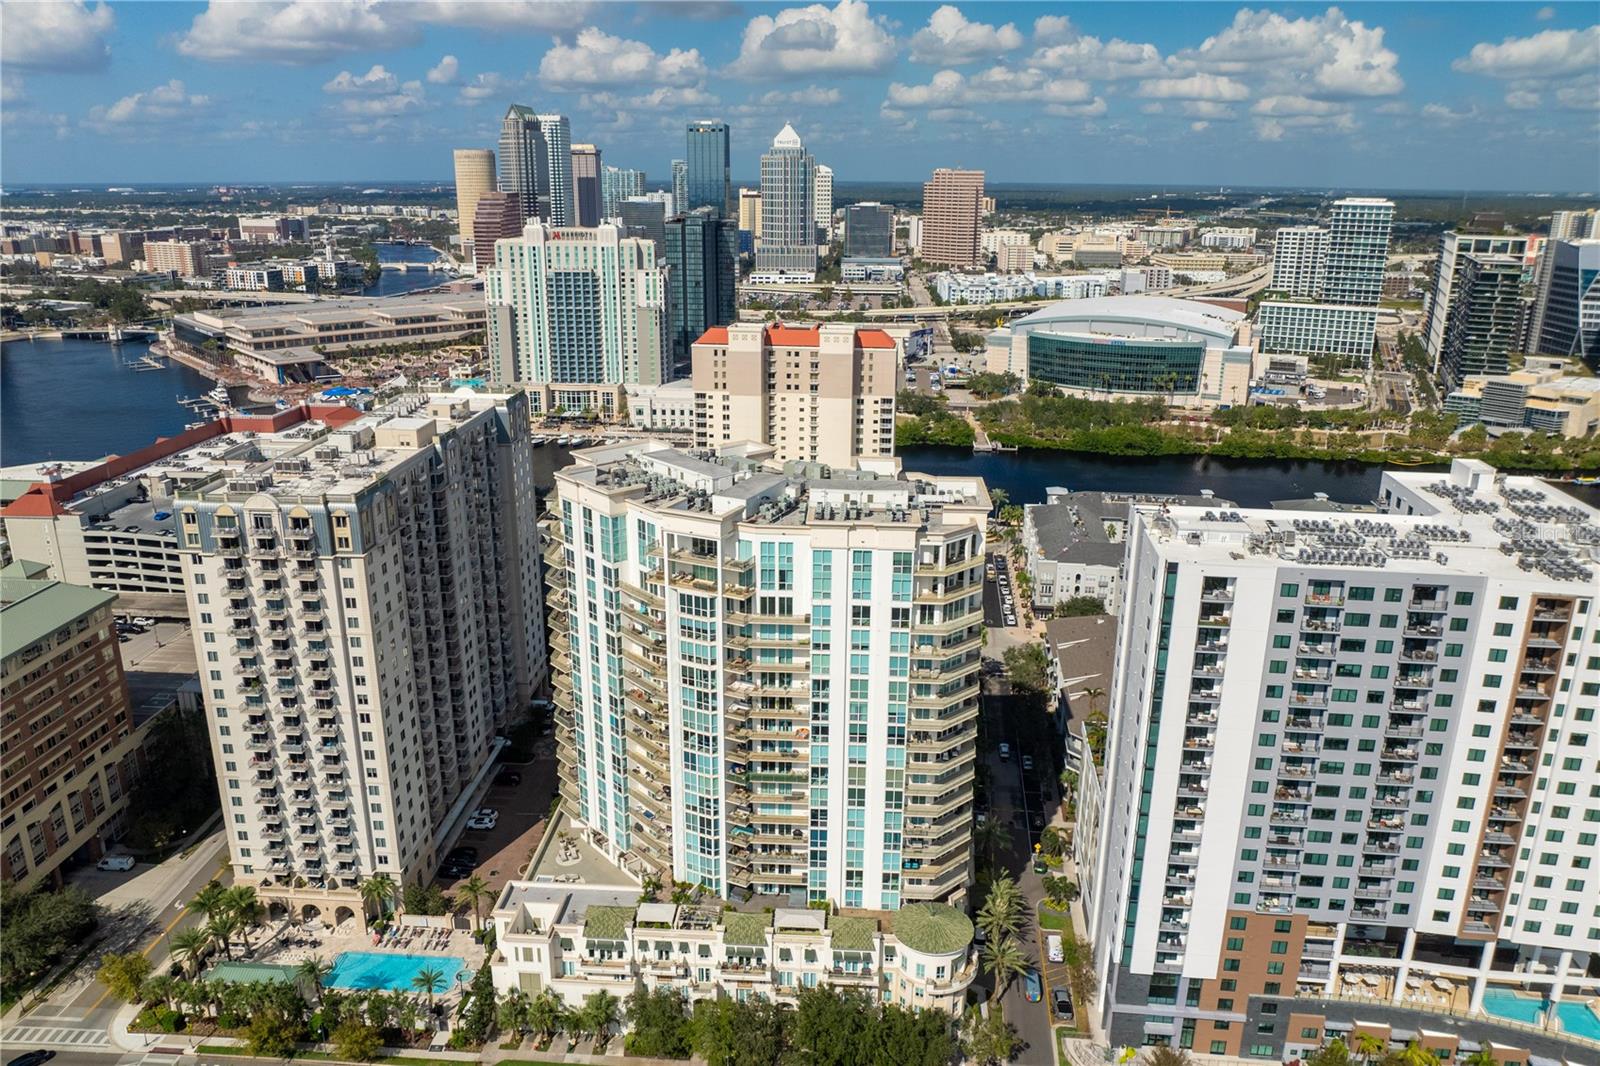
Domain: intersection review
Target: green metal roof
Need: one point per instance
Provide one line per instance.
(32, 610)
(23, 568)
(12, 487)
(607, 923)
(851, 934)
(933, 928)
(250, 973)
(739, 927)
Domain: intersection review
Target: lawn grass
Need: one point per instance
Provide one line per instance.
(326, 1056)
(1051, 920)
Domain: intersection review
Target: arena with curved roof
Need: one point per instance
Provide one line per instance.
(1191, 353)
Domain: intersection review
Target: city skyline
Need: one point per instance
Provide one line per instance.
(1505, 93)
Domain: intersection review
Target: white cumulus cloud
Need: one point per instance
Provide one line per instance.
(485, 86)
(817, 39)
(951, 89)
(1194, 87)
(597, 58)
(171, 100)
(446, 72)
(1545, 55)
(376, 80)
(57, 35)
(1327, 55)
(949, 39)
(1291, 104)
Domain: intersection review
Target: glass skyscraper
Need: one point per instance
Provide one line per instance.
(702, 249)
(709, 182)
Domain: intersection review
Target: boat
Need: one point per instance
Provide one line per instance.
(538, 442)
(219, 397)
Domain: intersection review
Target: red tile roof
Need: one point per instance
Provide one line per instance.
(874, 338)
(714, 335)
(794, 336)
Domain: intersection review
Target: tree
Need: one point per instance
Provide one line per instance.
(658, 1027)
(1366, 1045)
(124, 974)
(245, 908)
(1001, 913)
(221, 928)
(1080, 607)
(377, 892)
(544, 1013)
(40, 927)
(1060, 892)
(725, 1032)
(311, 973)
(356, 1042)
(474, 890)
(600, 1011)
(911, 1038)
(1481, 1057)
(830, 1028)
(1162, 1055)
(512, 1013)
(990, 837)
(1333, 1054)
(999, 498)
(271, 1034)
(1413, 1054)
(988, 1041)
(1011, 515)
(1003, 958)
(424, 899)
(430, 980)
(189, 947)
(1028, 667)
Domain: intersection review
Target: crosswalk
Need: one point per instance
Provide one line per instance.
(56, 1037)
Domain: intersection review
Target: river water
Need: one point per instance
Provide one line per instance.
(77, 399)
(394, 282)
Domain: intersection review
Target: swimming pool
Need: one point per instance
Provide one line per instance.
(1578, 1019)
(389, 970)
(1509, 1003)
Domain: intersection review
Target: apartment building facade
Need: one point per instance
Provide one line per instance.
(577, 941)
(766, 683)
(819, 394)
(1454, 248)
(368, 618)
(1378, 782)
(69, 739)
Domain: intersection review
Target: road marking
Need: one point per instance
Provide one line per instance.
(61, 1037)
(146, 952)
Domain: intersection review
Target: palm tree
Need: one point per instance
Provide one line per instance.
(1481, 1057)
(210, 901)
(1367, 1045)
(430, 980)
(246, 909)
(312, 972)
(1004, 960)
(474, 890)
(599, 1014)
(378, 892)
(221, 928)
(1001, 913)
(1093, 694)
(1413, 1054)
(189, 947)
(544, 1013)
(512, 1013)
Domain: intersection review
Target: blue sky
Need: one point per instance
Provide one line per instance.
(1395, 95)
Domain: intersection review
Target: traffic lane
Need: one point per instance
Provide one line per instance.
(1031, 1020)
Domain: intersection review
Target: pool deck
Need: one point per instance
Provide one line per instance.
(289, 944)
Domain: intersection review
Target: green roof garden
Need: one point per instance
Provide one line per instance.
(851, 934)
(739, 927)
(607, 923)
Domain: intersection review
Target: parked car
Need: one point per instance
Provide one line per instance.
(1027, 763)
(32, 1058)
(1032, 987)
(1052, 948)
(481, 823)
(1005, 751)
(117, 863)
(1061, 1004)
(146, 622)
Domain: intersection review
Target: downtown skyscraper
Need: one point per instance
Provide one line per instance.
(1332, 278)
(708, 180)
(702, 253)
(788, 243)
(536, 164)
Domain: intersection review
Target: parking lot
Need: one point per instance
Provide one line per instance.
(524, 814)
(158, 662)
(999, 597)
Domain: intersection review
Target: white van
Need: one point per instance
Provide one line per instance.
(1052, 947)
(117, 863)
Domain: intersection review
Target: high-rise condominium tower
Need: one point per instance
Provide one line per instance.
(474, 177)
(822, 202)
(369, 618)
(788, 240)
(769, 684)
(536, 164)
(1454, 248)
(1333, 278)
(1485, 311)
(817, 394)
(617, 185)
(586, 194)
(708, 181)
(1336, 732)
(1299, 261)
(952, 215)
(702, 254)
(577, 306)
